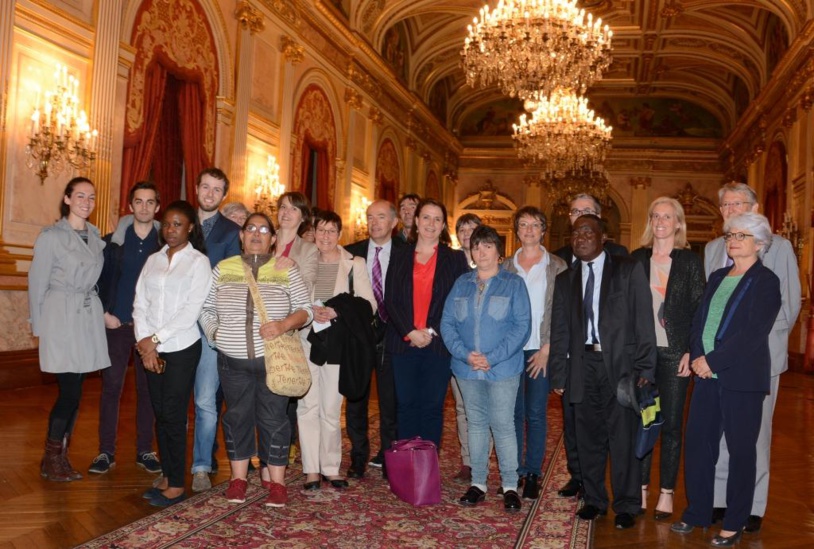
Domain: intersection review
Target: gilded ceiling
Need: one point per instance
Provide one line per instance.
(716, 55)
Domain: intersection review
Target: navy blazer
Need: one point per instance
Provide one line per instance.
(398, 295)
(626, 329)
(741, 354)
(223, 240)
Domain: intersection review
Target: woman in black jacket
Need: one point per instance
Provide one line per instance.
(677, 283)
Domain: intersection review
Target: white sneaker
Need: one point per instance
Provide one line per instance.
(201, 482)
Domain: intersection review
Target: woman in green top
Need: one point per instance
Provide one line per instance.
(729, 353)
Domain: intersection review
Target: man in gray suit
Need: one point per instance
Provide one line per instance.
(734, 199)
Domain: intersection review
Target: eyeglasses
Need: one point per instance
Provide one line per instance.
(737, 236)
(326, 231)
(577, 212)
(262, 229)
(535, 226)
(735, 205)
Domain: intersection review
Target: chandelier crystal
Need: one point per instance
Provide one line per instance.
(531, 47)
(269, 188)
(60, 133)
(562, 135)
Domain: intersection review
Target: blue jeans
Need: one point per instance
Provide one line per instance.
(488, 405)
(530, 419)
(206, 413)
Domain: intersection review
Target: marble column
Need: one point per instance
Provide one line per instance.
(6, 41)
(103, 106)
(251, 22)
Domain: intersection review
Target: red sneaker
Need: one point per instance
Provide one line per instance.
(278, 496)
(236, 492)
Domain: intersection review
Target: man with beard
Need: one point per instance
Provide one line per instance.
(222, 240)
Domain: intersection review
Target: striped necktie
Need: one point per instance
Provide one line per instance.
(378, 286)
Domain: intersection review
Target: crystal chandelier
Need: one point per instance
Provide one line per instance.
(530, 47)
(269, 188)
(562, 135)
(60, 132)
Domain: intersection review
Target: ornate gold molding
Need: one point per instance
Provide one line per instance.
(375, 115)
(353, 99)
(292, 51)
(249, 17)
(640, 182)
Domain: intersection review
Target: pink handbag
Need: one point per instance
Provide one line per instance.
(412, 470)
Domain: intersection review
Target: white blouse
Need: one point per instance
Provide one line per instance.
(169, 297)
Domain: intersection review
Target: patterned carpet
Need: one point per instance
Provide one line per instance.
(368, 514)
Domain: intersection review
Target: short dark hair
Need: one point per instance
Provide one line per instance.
(467, 218)
(599, 221)
(530, 211)
(196, 237)
(64, 209)
(488, 235)
(299, 201)
(444, 238)
(265, 218)
(143, 185)
(327, 216)
(218, 174)
(412, 196)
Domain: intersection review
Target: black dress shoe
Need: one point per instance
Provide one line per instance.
(312, 486)
(720, 541)
(682, 527)
(624, 521)
(753, 524)
(356, 470)
(590, 512)
(571, 489)
(531, 487)
(511, 501)
(718, 514)
(473, 496)
(339, 483)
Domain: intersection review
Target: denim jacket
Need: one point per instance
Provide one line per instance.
(497, 324)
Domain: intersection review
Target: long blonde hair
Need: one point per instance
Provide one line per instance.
(680, 235)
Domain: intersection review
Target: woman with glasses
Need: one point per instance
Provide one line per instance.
(319, 411)
(538, 269)
(729, 354)
(676, 283)
(230, 319)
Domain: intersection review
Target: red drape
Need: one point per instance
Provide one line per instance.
(168, 155)
(191, 112)
(138, 149)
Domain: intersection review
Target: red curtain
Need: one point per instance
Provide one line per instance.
(138, 149)
(191, 112)
(168, 155)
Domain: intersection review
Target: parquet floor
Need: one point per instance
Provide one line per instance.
(40, 514)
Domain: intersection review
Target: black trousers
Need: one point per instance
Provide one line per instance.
(569, 427)
(605, 426)
(63, 414)
(356, 411)
(170, 393)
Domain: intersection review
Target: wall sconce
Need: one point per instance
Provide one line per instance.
(360, 219)
(60, 132)
(269, 188)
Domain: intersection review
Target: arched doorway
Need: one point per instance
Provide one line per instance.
(171, 102)
(313, 171)
(387, 172)
(774, 201)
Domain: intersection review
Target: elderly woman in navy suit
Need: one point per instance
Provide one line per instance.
(729, 353)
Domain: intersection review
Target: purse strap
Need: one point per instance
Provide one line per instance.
(255, 291)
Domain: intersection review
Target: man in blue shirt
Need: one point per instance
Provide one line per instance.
(135, 238)
(222, 240)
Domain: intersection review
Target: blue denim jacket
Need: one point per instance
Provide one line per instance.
(497, 324)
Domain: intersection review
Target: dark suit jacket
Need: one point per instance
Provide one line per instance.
(741, 354)
(360, 248)
(566, 253)
(398, 295)
(685, 287)
(626, 328)
(223, 241)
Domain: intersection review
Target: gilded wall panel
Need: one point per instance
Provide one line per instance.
(267, 81)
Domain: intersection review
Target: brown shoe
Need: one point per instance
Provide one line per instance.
(66, 463)
(51, 466)
(464, 475)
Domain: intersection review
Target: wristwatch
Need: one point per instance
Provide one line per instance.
(155, 339)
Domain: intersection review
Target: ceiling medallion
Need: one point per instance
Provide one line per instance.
(531, 47)
(562, 135)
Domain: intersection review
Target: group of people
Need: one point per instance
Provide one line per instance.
(200, 294)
